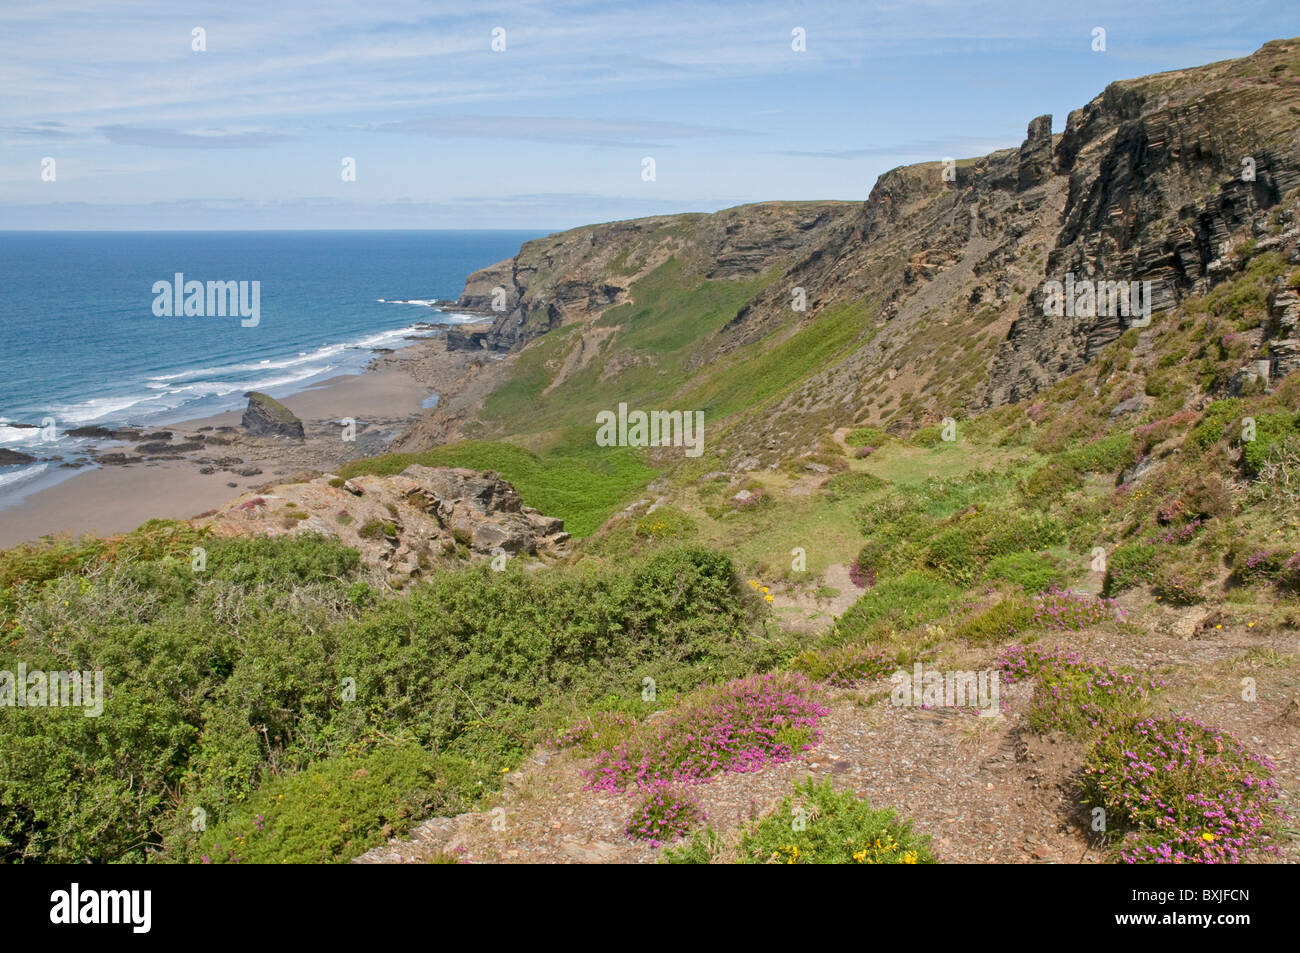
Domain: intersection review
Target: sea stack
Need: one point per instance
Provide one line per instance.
(267, 417)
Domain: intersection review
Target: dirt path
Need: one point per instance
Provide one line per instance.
(803, 611)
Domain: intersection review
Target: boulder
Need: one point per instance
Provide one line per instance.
(1131, 406)
(267, 417)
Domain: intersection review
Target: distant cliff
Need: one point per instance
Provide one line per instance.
(926, 300)
(575, 275)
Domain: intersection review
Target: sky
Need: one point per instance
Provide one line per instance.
(540, 115)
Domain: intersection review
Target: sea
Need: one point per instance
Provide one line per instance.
(81, 343)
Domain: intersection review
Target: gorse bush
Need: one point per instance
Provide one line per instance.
(279, 656)
(867, 436)
(816, 825)
(978, 536)
(338, 808)
(1002, 620)
(1271, 431)
(1032, 571)
(665, 523)
(1105, 455)
(900, 603)
(843, 666)
(1130, 565)
(25, 569)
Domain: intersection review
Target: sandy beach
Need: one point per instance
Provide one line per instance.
(383, 400)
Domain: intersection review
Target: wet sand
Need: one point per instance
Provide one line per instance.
(118, 498)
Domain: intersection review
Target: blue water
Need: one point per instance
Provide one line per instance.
(79, 341)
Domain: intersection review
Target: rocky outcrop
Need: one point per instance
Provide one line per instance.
(1282, 330)
(14, 457)
(467, 337)
(267, 417)
(1035, 155)
(406, 523)
(1162, 171)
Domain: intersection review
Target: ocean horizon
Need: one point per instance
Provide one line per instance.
(84, 346)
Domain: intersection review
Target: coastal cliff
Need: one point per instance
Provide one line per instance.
(927, 298)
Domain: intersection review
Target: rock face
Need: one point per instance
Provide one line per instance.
(407, 523)
(267, 417)
(467, 337)
(1036, 154)
(1283, 330)
(1156, 188)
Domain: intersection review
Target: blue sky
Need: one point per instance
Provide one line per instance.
(550, 132)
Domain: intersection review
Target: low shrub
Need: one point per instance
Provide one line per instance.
(1032, 571)
(1271, 431)
(665, 813)
(1062, 610)
(597, 731)
(846, 485)
(816, 825)
(1050, 482)
(901, 602)
(928, 436)
(1004, 619)
(844, 665)
(1104, 455)
(1074, 696)
(736, 727)
(377, 529)
(337, 809)
(1178, 586)
(863, 578)
(1130, 565)
(665, 523)
(1176, 790)
(867, 436)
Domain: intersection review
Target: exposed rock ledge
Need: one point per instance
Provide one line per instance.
(413, 521)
